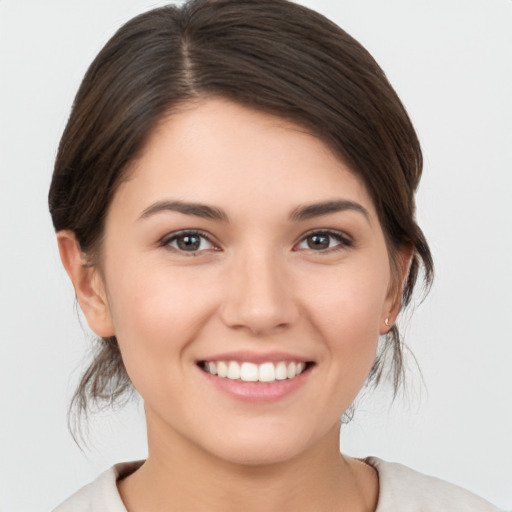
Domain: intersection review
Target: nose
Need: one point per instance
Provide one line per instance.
(259, 295)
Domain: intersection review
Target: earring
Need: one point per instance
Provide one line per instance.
(387, 321)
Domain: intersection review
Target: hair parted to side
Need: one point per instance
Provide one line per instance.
(271, 55)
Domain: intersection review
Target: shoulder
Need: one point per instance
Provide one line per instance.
(403, 489)
(101, 494)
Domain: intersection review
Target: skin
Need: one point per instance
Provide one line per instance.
(256, 285)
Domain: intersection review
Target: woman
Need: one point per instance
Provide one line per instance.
(234, 204)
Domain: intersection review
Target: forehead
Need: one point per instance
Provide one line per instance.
(216, 151)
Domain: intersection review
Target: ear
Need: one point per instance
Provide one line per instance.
(393, 303)
(88, 284)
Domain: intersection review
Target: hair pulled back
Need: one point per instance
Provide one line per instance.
(271, 55)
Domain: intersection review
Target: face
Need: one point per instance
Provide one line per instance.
(247, 280)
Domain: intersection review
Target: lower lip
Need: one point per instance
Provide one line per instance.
(257, 392)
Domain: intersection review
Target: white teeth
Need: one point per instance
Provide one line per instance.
(233, 370)
(281, 371)
(290, 372)
(222, 369)
(267, 372)
(250, 372)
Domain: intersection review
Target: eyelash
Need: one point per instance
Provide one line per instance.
(167, 240)
(343, 241)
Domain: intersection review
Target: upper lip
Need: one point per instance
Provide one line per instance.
(256, 357)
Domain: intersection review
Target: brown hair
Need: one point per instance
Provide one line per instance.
(271, 55)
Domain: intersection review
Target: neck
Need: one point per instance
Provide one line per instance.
(181, 476)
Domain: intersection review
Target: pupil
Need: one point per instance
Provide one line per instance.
(189, 243)
(318, 241)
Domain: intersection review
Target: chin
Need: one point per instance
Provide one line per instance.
(266, 445)
(257, 454)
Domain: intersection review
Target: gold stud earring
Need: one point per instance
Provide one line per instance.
(387, 321)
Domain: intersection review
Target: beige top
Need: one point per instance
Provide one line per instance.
(401, 489)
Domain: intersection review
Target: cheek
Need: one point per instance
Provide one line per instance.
(354, 293)
(348, 312)
(156, 314)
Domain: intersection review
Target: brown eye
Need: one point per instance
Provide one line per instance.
(318, 241)
(324, 241)
(190, 242)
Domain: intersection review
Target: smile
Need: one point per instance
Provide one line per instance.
(251, 372)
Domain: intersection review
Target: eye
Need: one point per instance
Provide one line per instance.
(324, 241)
(188, 241)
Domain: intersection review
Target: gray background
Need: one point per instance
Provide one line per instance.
(451, 63)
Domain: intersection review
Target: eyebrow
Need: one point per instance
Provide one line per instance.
(300, 213)
(197, 209)
(317, 209)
